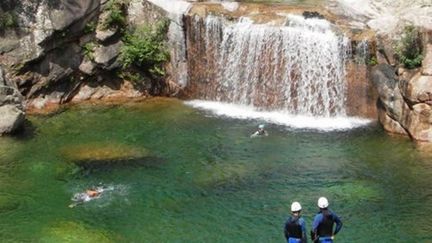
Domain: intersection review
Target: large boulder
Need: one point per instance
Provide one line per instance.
(404, 105)
(106, 56)
(418, 89)
(10, 118)
(12, 113)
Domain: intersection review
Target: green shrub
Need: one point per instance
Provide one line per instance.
(372, 61)
(145, 48)
(409, 49)
(88, 49)
(117, 13)
(90, 27)
(8, 20)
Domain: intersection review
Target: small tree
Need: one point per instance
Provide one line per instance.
(145, 48)
(409, 49)
(8, 20)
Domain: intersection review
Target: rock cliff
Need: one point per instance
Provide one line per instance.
(61, 51)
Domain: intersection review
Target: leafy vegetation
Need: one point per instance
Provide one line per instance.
(372, 61)
(145, 48)
(90, 27)
(134, 77)
(8, 20)
(88, 49)
(116, 13)
(409, 49)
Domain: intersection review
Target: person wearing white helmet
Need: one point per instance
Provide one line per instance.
(260, 132)
(322, 227)
(295, 228)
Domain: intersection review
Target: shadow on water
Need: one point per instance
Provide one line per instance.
(26, 132)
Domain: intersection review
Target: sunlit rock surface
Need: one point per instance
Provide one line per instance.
(405, 105)
(12, 114)
(387, 16)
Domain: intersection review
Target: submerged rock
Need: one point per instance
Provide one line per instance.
(74, 232)
(218, 174)
(356, 191)
(8, 203)
(97, 155)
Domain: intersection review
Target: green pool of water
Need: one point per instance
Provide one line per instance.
(181, 175)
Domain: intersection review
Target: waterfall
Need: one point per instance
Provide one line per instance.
(298, 68)
(176, 38)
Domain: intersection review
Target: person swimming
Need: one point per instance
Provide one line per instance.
(260, 132)
(89, 194)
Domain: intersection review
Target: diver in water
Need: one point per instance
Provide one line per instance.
(322, 227)
(295, 229)
(260, 132)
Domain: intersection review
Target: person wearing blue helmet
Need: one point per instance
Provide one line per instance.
(322, 227)
(260, 132)
(295, 229)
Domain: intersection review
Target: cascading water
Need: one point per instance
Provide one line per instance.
(292, 74)
(176, 37)
(298, 68)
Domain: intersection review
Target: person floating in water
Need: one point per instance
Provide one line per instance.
(295, 229)
(89, 194)
(260, 132)
(322, 227)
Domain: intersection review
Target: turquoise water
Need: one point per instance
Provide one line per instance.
(182, 175)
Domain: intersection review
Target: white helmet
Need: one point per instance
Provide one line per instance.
(323, 202)
(295, 207)
(261, 126)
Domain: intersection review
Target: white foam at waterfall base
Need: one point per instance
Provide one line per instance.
(279, 117)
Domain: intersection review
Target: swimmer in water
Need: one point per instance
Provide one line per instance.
(89, 194)
(260, 132)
